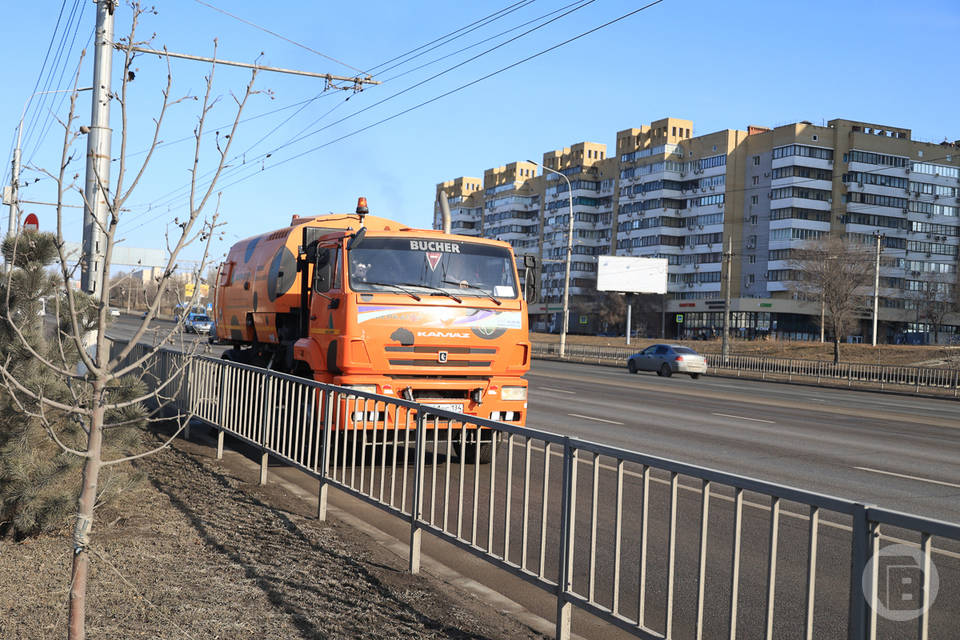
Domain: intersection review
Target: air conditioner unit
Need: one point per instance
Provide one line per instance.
(907, 169)
(701, 226)
(766, 174)
(906, 210)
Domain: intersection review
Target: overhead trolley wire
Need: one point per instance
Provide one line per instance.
(171, 196)
(277, 35)
(443, 37)
(41, 109)
(441, 96)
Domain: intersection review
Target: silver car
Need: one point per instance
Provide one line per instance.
(197, 323)
(667, 359)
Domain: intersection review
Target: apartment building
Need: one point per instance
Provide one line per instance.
(760, 193)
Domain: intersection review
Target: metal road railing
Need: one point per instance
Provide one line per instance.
(653, 546)
(941, 381)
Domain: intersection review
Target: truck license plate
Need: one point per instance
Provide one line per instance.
(448, 406)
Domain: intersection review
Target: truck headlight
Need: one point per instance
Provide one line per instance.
(366, 388)
(513, 393)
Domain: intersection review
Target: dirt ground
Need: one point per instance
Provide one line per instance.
(199, 553)
(928, 356)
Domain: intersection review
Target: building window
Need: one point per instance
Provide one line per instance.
(754, 199)
(688, 133)
(815, 137)
(674, 131)
(756, 179)
(752, 259)
(756, 161)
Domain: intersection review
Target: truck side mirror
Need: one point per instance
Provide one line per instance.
(531, 292)
(323, 270)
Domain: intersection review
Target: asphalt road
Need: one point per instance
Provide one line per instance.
(894, 451)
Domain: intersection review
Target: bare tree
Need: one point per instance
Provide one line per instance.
(94, 403)
(838, 274)
(935, 297)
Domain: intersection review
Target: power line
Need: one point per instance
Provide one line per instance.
(277, 35)
(475, 44)
(382, 64)
(482, 23)
(441, 96)
(301, 136)
(41, 108)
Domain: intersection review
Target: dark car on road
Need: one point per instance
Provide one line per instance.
(667, 359)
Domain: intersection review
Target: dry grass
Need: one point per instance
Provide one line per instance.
(198, 553)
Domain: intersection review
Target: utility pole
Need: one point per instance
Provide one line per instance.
(876, 287)
(97, 186)
(727, 258)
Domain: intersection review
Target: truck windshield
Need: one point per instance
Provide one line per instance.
(432, 267)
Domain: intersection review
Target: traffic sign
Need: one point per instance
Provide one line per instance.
(679, 318)
(31, 223)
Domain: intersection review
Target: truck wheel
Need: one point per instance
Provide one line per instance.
(485, 454)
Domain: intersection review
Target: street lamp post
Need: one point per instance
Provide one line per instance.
(566, 276)
(876, 287)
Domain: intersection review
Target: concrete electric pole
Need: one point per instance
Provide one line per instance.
(97, 187)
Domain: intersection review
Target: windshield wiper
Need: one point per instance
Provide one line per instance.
(464, 283)
(395, 286)
(442, 292)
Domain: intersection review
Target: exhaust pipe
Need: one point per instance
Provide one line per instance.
(444, 210)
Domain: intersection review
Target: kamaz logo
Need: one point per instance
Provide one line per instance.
(441, 334)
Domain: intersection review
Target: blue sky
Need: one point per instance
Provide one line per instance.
(720, 64)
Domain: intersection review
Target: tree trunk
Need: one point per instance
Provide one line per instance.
(836, 349)
(76, 629)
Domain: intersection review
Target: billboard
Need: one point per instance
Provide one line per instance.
(632, 275)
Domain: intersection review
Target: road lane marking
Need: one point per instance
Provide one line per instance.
(558, 390)
(903, 475)
(577, 415)
(727, 415)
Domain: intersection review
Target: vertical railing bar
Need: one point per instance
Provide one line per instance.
(446, 474)
(672, 552)
(644, 518)
(363, 442)
(325, 455)
(568, 511)
(433, 471)
(772, 564)
(508, 499)
(353, 442)
(383, 450)
(526, 503)
(396, 450)
(874, 537)
(702, 560)
(461, 463)
(735, 574)
(341, 437)
(543, 508)
(416, 511)
(925, 569)
(492, 489)
(618, 532)
(859, 555)
(406, 455)
(373, 448)
(476, 484)
(813, 526)
(593, 529)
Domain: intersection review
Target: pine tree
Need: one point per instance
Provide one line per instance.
(39, 479)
